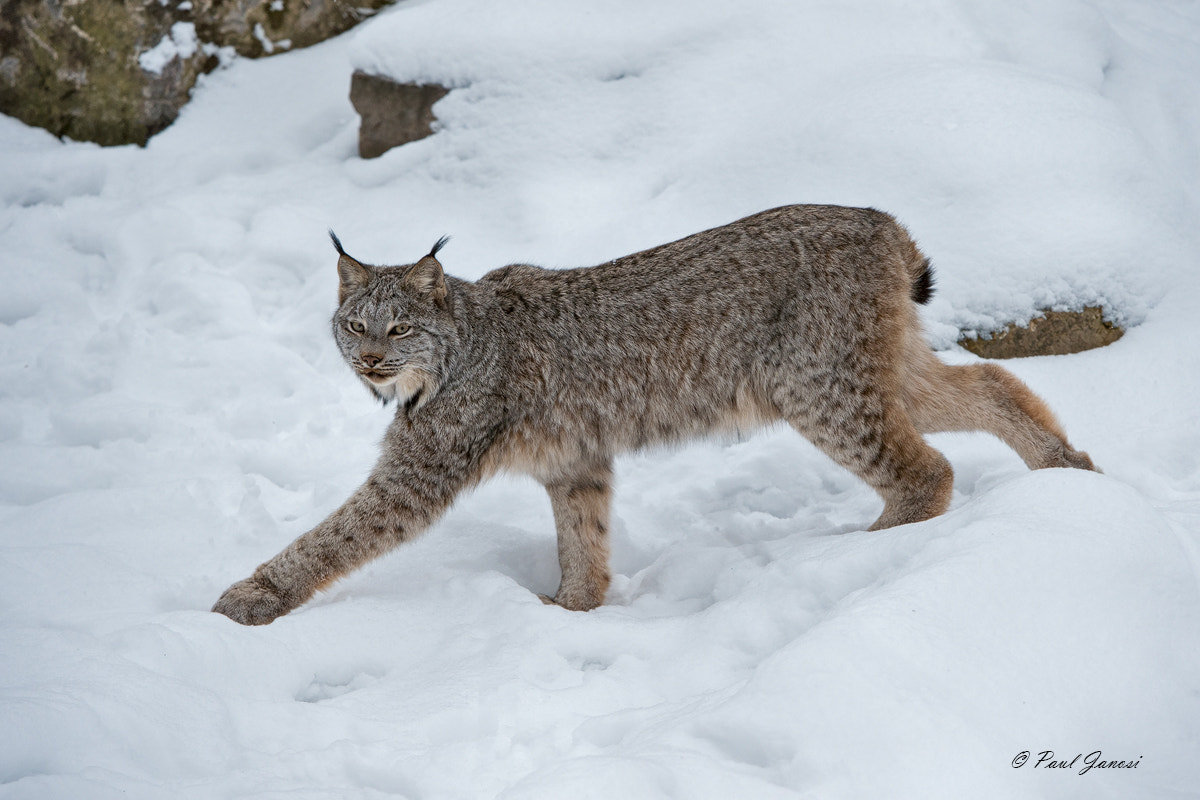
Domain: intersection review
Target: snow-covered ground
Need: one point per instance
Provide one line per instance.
(173, 411)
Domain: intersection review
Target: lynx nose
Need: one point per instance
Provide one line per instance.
(370, 359)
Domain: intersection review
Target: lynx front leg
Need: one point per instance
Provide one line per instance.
(362, 529)
(581, 505)
(399, 501)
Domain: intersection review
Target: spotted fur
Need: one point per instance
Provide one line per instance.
(804, 314)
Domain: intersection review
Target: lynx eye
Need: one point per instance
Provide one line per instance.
(356, 327)
(400, 331)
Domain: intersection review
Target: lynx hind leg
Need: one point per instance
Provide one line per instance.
(914, 480)
(581, 506)
(986, 397)
(872, 436)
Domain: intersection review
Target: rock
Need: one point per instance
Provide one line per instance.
(1054, 333)
(118, 71)
(256, 28)
(72, 68)
(392, 113)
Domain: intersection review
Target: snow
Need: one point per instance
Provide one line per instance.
(173, 412)
(181, 43)
(269, 46)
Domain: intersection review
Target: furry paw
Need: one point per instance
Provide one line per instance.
(571, 602)
(1080, 460)
(251, 603)
(1070, 458)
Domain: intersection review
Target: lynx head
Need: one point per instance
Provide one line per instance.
(394, 326)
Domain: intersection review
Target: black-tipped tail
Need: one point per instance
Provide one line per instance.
(923, 285)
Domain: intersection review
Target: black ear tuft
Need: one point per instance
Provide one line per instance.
(336, 242)
(438, 245)
(352, 275)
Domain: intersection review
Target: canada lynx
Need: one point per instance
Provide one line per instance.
(804, 313)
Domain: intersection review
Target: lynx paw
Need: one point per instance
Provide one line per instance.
(571, 602)
(1080, 460)
(1067, 456)
(251, 603)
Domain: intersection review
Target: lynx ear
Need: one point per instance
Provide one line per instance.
(426, 276)
(351, 274)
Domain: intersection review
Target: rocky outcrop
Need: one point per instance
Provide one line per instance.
(72, 68)
(392, 113)
(256, 28)
(118, 71)
(1054, 333)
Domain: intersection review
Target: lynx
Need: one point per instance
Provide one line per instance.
(806, 314)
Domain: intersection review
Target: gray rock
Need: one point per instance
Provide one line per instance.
(1053, 333)
(264, 27)
(392, 113)
(72, 68)
(118, 71)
